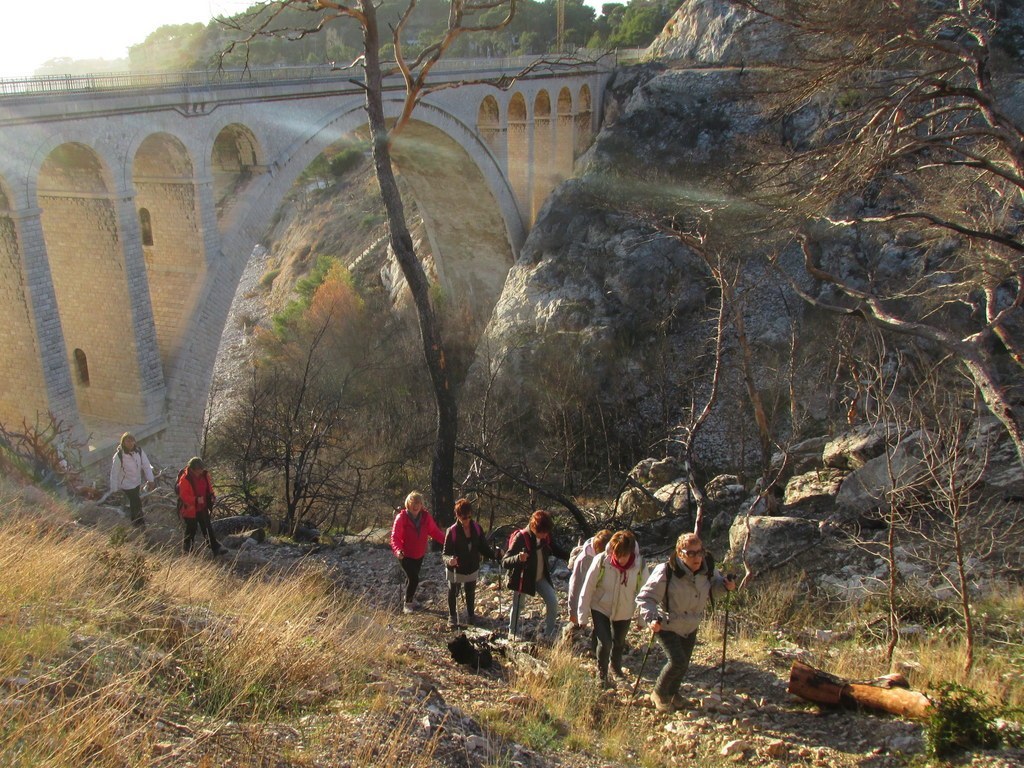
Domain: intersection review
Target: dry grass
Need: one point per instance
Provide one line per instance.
(110, 656)
(784, 610)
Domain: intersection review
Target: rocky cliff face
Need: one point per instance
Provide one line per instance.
(633, 307)
(717, 32)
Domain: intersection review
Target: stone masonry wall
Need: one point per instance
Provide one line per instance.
(22, 388)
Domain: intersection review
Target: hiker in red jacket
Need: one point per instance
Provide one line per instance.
(413, 526)
(195, 490)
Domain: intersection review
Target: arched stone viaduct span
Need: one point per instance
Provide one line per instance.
(129, 206)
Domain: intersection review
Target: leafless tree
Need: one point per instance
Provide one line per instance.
(916, 146)
(44, 451)
(465, 17)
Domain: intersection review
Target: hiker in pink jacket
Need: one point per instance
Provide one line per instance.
(413, 526)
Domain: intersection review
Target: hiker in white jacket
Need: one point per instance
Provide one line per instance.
(127, 472)
(609, 599)
(580, 559)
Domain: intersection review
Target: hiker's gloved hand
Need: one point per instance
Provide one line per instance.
(730, 582)
(656, 627)
(523, 557)
(400, 554)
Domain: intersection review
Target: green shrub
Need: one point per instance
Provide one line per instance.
(962, 720)
(345, 161)
(269, 277)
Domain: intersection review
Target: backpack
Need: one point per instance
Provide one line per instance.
(512, 538)
(575, 554)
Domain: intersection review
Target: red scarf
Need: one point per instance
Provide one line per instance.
(622, 567)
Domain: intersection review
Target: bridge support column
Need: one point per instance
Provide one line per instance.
(208, 229)
(147, 351)
(57, 394)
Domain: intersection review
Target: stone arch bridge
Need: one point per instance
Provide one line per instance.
(129, 206)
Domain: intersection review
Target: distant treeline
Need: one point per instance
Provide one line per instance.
(176, 47)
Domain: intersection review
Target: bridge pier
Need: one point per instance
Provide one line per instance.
(34, 373)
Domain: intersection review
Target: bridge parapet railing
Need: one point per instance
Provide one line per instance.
(204, 78)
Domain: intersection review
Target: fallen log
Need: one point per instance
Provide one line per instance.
(888, 694)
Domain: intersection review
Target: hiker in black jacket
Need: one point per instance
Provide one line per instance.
(527, 563)
(464, 548)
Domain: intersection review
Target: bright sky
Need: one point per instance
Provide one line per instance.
(33, 33)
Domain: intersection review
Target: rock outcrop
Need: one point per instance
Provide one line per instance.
(626, 309)
(718, 32)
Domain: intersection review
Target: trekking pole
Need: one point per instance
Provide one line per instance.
(725, 638)
(640, 674)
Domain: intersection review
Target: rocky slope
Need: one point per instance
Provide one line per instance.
(471, 717)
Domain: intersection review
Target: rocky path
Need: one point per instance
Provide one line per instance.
(747, 718)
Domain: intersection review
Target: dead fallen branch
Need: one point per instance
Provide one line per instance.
(889, 694)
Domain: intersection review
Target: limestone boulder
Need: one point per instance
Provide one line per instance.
(867, 487)
(638, 506)
(656, 472)
(597, 293)
(675, 497)
(1004, 475)
(100, 516)
(726, 489)
(799, 458)
(855, 448)
(813, 493)
(770, 542)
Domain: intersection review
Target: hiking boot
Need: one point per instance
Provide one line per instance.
(453, 622)
(662, 704)
(407, 608)
(679, 702)
(606, 684)
(471, 620)
(619, 673)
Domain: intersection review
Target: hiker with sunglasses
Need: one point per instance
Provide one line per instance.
(672, 604)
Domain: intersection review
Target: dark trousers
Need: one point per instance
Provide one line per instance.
(200, 521)
(679, 649)
(611, 641)
(134, 498)
(411, 566)
(453, 593)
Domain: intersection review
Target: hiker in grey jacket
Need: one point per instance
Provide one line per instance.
(128, 470)
(672, 604)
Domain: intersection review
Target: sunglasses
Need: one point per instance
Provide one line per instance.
(692, 552)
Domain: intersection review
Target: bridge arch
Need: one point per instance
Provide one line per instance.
(448, 168)
(488, 125)
(519, 150)
(83, 240)
(543, 152)
(584, 118)
(235, 160)
(564, 139)
(164, 180)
